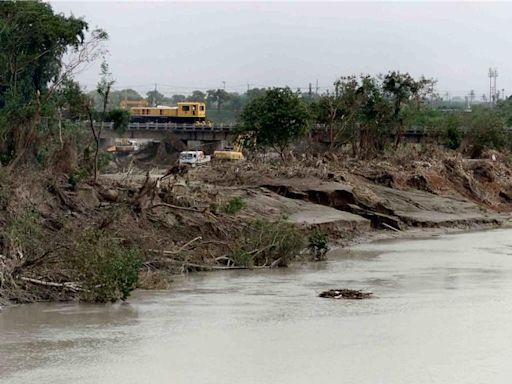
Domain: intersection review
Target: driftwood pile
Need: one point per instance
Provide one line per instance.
(349, 294)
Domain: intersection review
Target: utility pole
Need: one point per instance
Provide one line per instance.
(493, 74)
(310, 92)
(316, 87)
(471, 97)
(224, 85)
(154, 97)
(248, 87)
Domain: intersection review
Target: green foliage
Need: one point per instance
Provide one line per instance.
(34, 82)
(155, 98)
(453, 137)
(197, 96)
(104, 158)
(42, 154)
(486, 129)
(217, 97)
(422, 117)
(234, 205)
(265, 243)
(104, 86)
(276, 119)
(27, 234)
(318, 244)
(107, 269)
(120, 118)
(70, 99)
(77, 176)
(115, 98)
(504, 108)
(33, 40)
(367, 111)
(450, 127)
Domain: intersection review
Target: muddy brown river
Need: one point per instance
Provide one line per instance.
(442, 313)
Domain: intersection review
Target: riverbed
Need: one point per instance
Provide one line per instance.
(440, 314)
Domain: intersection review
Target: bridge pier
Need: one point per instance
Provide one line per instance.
(193, 145)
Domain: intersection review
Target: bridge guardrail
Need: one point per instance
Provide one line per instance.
(230, 127)
(173, 127)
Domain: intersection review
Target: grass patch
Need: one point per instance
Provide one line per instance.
(234, 205)
(318, 245)
(26, 234)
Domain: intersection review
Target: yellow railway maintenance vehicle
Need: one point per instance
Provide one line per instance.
(187, 112)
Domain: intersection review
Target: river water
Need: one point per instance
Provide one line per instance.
(441, 313)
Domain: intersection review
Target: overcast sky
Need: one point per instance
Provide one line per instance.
(185, 46)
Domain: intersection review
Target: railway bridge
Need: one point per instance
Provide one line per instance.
(191, 134)
(195, 135)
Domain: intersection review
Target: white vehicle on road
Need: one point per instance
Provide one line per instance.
(194, 158)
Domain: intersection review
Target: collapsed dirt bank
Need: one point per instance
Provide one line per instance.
(228, 216)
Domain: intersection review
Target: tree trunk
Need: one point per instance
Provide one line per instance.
(96, 140)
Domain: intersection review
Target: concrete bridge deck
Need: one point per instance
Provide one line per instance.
(194, 134)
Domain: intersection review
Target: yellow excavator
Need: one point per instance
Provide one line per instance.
(231, 153)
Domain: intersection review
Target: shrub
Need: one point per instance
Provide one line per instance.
(486, 130)
(108, 270)
(26, 233)
(104, 159)
(317, 244)
(77, 176)
(265, 243)
(234, 205)
(453, 138)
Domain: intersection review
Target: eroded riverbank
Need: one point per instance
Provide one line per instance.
(255, 214)
(439, 315)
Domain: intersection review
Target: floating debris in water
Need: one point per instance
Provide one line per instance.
(349, 294)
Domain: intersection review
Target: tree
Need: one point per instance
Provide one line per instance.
(338, 112)
(155, 98)
(175, 99)
(217, 97)
(103, 89)
(235, 101)
(275, 119)
(33, 41)
(403, 88)
(69, 102)
(375, 118)
(120, 118)
(197, 96)
(104, 86)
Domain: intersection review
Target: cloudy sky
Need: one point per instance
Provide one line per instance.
(184, 46)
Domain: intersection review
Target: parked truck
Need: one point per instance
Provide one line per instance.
(194, 158)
